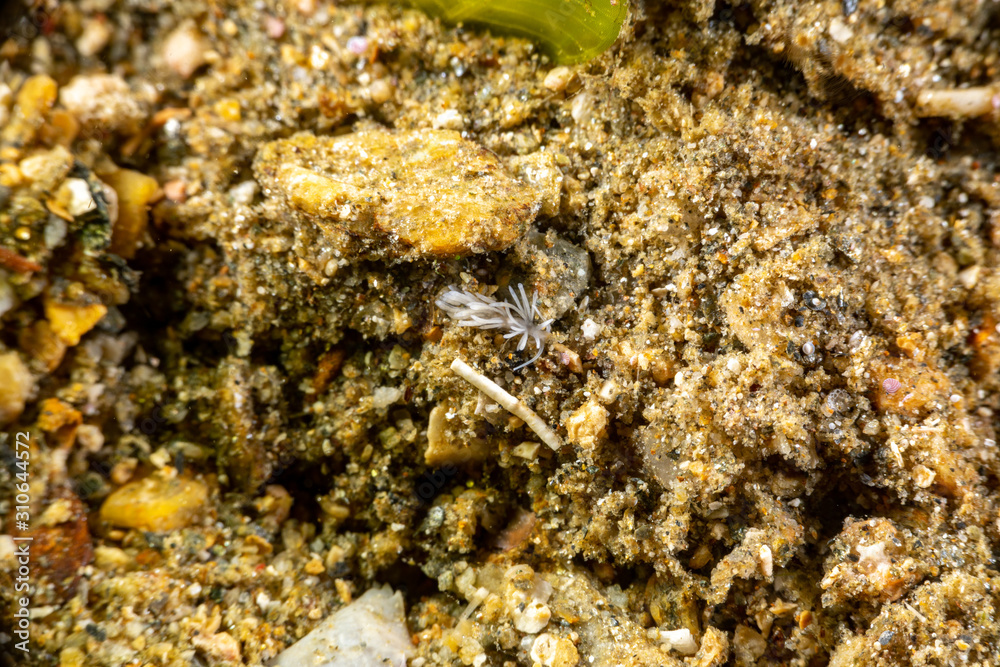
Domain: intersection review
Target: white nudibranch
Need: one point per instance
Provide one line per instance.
(470, 309)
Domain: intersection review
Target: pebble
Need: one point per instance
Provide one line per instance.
(357, 45)
(8, 299)
(70, 321)
(274, 27)
(135, 192)
(175, 191)
(103, 100)
(588, 425)
(591, 329)
(445, 447)
(47, 168)
(16, 384)
(557, 79)
(94, 37)
(551, 651)
(35, 98)
(839, 31)
(158, 503)
(539, 169)
(243, 193)
(184, 50)
(219, 647)
(527, 594)
(448, 120)
(381, 91)
(969, 277)
(79, 199)
(680, 640)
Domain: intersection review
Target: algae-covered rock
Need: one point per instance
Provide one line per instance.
(404, 195)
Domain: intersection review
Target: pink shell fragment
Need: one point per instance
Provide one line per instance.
(891, 385)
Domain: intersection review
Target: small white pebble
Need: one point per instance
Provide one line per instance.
(544, 648)
(357, 45)
(532, 618)
(184, 50)
(380, 91)
(80, 198)
(766, 561)
(160, 458)
(839, 31)
(89, 437)
(591, 329)
(94, 37)
(274, 27)
(608, 392)
(969, 277)
(558, 78)
(8, 548)
(244, 192)
(449, 119)
(681, 641)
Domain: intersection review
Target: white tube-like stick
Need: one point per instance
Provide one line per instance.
(508, 402)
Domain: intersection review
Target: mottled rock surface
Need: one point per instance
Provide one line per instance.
(405, 195)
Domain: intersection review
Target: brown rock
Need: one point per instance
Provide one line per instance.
(61, 544)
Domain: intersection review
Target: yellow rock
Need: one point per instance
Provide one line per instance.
(588, 425)
(406, 195)
(15, 386)
(69, 321)
(156, 503)
(34, 100)
(136, 192)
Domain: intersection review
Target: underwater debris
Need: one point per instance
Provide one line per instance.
(508, 402)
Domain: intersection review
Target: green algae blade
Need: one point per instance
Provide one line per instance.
(569, 31)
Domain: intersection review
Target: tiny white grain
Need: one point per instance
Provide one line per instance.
(471, 309)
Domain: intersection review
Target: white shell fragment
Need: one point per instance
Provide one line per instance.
(369, 632)
(680, 640)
